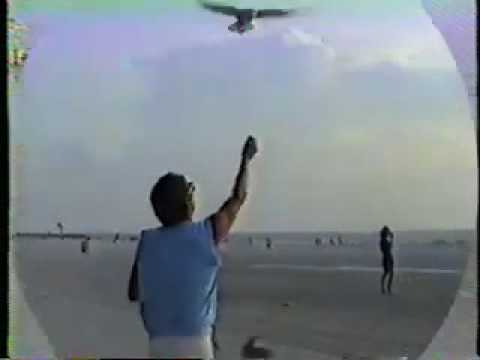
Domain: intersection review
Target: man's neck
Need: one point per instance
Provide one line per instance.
(180, 223)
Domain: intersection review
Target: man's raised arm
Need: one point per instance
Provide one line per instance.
(224, 218)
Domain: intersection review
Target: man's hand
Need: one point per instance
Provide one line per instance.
(250, 148)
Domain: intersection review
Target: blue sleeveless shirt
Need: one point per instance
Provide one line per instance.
(177, 273)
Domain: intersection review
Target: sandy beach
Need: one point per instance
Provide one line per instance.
(306, 301)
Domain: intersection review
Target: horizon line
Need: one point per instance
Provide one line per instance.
(244, 232)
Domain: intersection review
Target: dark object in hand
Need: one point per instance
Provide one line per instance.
(251, 350)
(250, 148)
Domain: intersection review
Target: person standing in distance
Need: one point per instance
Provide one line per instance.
(386, 244)
(174, 275)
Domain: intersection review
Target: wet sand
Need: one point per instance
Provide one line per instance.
(284, 295)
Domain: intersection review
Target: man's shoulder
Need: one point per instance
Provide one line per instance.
(150, 230)
(148, 233)
(192, 226)
(208, 223)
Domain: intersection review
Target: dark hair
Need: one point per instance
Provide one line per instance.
(385, 232)
(170, 199)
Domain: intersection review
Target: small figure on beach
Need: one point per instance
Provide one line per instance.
(85, 245)
(116, 237)
(318, 241)
(268, 243)
(183, 252)
(244, 17)
(60, 229)
(339, 240)
(332, 242)
(386, 244)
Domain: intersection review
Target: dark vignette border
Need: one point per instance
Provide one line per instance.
(478, 201)
(5, 195)
(5, 201)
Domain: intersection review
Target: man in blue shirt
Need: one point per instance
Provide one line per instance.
(174, 275)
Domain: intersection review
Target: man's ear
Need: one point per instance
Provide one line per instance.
(189, 203)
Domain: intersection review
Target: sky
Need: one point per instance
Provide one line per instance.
(361, 116)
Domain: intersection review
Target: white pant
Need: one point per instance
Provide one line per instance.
(174, 347)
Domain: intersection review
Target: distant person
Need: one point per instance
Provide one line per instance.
(318, 241)
(339, 240)
(268, 243)
(85, 245)
(174, 275)
(117, 236)
(60, 229)
(250, 241)
(386, 244)
(332, 242)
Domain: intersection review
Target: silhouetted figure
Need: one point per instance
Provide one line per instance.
(386, 244)
(332, 242)
(250, 241)
(117, 236)
(318, 241)
(60, 229)
(85, 245)
(252, 350)
(268, 243)
(339, 240)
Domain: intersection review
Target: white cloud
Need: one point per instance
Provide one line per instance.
(417, 46)
(366, 48)
(298, 37)
(413, 57)
(411, 43)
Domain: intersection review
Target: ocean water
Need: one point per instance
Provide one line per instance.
(424, 237)
(401, 237)
(427, 237)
